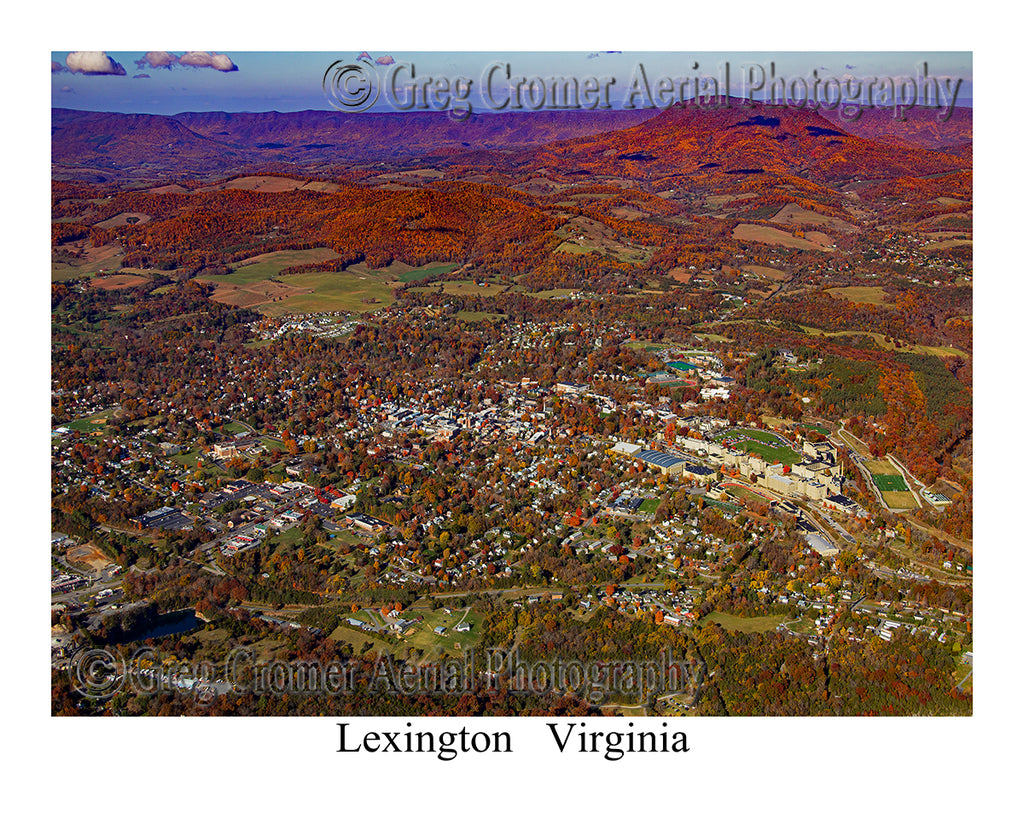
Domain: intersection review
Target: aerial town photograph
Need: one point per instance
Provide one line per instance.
(519, 409)
(511, 384)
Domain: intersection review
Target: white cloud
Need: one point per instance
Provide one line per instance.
(93, 62)
(208, 59)
(157, 59)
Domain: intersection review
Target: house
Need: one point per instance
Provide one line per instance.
(462, 627)
(440, 630)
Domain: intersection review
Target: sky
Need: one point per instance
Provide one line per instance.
(179, 81)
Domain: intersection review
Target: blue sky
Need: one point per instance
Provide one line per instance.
(293, 81)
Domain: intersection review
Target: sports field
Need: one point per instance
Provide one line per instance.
(766, 444)
(890, 483)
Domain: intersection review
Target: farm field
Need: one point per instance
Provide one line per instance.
(477, 315)
(356, 289)
(94, 260)
(921, 349)
(793, 214)
(766, 272)
(773, 236)
(859, 295)
(462, 287)
(745, 625)
(318, 292)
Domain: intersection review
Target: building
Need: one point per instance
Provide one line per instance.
(365, 522)
(820, 544)
(665, 463)
(701, 473)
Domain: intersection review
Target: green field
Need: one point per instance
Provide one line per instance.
(92, 422)
(649, 505)
(331, 291)
(647, 346)
(189, 459)
(746, 625)
(762, 443)
(357, 289)
(432, 645)
(890, 483)
(421, 273)
(270, 264)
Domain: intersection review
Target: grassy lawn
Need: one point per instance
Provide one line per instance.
(289, 538)
(272, 444)
(432, 645)
(899, 500)
(189, 459)
(647, 346)
(881, 468)
(477, 315)
(649, 505)
(746, 625)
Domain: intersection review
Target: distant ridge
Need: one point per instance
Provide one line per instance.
(90, 144)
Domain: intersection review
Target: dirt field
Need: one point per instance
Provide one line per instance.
(89, 556)
(680, 274)
(118, 281)
(773, 236)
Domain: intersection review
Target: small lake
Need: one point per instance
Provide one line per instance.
(172, 622)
